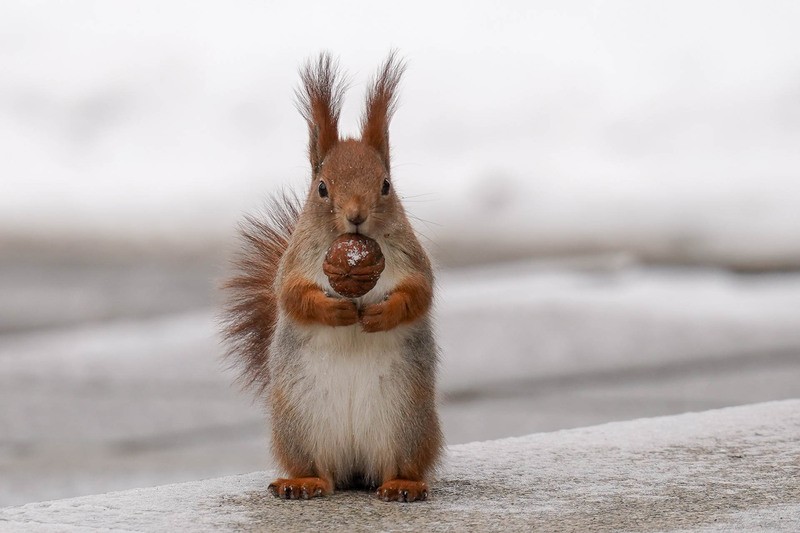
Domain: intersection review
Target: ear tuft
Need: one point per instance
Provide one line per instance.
(381, 104)
(319, 100)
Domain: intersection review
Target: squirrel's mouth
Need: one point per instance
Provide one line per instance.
(349, 227)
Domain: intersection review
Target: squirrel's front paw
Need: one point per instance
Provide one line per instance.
(339, 312)
(379, 317)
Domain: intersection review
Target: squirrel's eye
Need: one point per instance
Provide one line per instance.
(385, 188)
(323, 189)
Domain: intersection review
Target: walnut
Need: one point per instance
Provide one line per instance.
(353, 264)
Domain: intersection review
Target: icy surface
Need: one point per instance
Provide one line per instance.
(731, 469)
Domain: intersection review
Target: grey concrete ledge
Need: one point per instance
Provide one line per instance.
(734, 469)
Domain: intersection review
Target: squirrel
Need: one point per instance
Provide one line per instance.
(349, 382)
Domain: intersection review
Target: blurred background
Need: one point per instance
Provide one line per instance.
(611, 191)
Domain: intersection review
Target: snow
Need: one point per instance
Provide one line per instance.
(353, 249)
(666, 129)
(520, 323)
(356, 253)
(529, 321)
(730, 469)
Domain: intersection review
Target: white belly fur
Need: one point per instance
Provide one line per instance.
(352, 415)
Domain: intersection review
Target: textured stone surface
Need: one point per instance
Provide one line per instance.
(732, 469)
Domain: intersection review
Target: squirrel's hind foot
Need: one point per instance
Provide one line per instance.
(300, 488)
(403, 490)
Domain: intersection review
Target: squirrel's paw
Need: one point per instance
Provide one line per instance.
(403, 490)
(340, 312)
(301, 488)
(379, 317)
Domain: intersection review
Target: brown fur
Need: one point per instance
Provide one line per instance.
(381, 104)
(319, 100)
(429, 447)
(306, 303)
(289, 454)
(251, 312)
(408, 302)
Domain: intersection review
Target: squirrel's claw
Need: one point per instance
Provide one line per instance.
(298, 488)
(403, 490)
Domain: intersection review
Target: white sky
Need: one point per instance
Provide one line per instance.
(642, 119)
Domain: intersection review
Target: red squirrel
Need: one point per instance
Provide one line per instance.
(349, 382)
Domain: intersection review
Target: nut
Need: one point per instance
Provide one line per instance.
(353, 264)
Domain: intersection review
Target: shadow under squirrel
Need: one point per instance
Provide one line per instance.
(349, 383)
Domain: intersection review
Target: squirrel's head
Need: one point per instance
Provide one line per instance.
(351, 187)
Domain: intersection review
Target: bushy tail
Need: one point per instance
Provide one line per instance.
(251, 312)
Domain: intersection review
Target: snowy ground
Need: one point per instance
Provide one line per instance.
(727, 470)
(118, 396)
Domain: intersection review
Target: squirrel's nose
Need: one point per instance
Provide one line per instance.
(355, 218)
(354, 214)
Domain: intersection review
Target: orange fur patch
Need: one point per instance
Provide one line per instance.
(306, 303)
(409, 301)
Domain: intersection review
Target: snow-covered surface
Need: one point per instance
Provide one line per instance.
(527, 321)
(670, 129)
(531, 323)
(728, 470)
(141, 401)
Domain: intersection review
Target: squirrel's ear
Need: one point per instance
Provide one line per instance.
(319, 100)
(381, 103)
